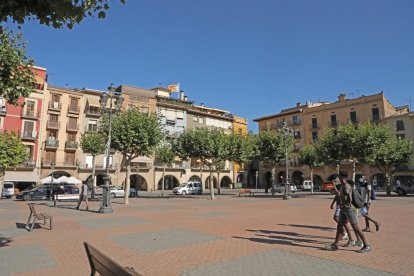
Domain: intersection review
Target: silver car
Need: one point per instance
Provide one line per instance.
(193, 188)
(280, 188)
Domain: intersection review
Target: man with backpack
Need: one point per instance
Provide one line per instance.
(368, 194)
(348, 213)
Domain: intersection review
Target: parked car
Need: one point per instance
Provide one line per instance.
(307, 185)
(117, 191)
(328, 186)
(404, 188)
(193, 188)
(280, 188)
(39, 192)
(8, 189)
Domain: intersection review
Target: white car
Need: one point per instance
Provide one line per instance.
(115, 191)
(193, 188)
(280, 188)
(307, 185)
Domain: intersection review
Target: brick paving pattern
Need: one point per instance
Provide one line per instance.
(192, 235)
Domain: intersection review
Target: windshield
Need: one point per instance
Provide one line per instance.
(183, 185)
(8, 185)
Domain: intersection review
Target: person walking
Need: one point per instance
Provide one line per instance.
(347, 213)
(366, 191)
(83, 196)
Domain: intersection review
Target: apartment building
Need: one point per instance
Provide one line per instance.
(308, 122)
(25, 120)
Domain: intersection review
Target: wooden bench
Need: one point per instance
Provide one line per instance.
(245, 191)
(65, 197)
(34, 216)
(104, 265)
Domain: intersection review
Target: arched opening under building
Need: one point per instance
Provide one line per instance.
(332, 177)
(100, 180)
(195, 178)
(268, 180)
(281, 177)
(57, 174)
(170, 182)
(317, 182)
(297, 178)
(207, 186)
(138, 182)
(379, 181)
(225, 182)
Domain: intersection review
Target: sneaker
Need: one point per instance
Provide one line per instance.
(359, 243)
(377, 227)
(345, 237)
(365, 249)
(331, 247)
(366, 230)
(350, 243)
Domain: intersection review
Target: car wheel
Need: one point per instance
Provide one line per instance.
(132, 194)
(400, 192)
(27, 197)
(112, 195)
(184, 193)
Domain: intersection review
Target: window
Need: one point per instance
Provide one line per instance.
(74, 103)
(180, 114)
(195, 119)
(314, 122)
(375, 114)
(201, 120)
(92, 125)
(73, 121)
(400, 125)
(333, 120)
(93, 110)
(72, 137)
(314, 136)
(53, 118)
(296, 134)
(353, 116)
(52, 135)
(30, 108)
(50, 156)
(28, 129)
(295, 120)
(70, 158)
(401, 136)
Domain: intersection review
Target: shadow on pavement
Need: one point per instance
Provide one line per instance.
(282, 241)
(20, 225)
(323, 228)
(292, 234)
(5, 241)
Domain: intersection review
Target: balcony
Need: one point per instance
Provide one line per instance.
(53, 125)
(29, 114)
(29, 135)
(3, 110)
(174, 165)
(139, 166)
(93, 112)
(375, 119)
(72, 127)
(55, 106)
(71, 145)
(296, 122)
(98, 167)
(73, 109)
(333, 124)
(28, 164)
(51, 144)
(64, 164)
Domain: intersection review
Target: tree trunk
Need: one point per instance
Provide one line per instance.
(201, 179)
(163, 181)
(311, 171)
(93, 178)
(388, 188)
(2, 173)
(353, 170)
(211, 184)
(218, 182)
(127, 183)
(272, 181)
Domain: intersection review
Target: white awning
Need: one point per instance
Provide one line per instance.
(16, 176)
(73, 180)
(62, 179)
(48, 179)
(92, 101)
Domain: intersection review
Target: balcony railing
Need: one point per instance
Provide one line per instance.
(30, 114)
(53, 125)
(64, 164)
(296, 122)
(73, 109)
(72, 127)
(27, 164)
(171, 166)
(98, 166)
(29, 135)
(93, 112)
(55, 106)
(140, 165)
(333, 124)
(51, 143)
(71, 145)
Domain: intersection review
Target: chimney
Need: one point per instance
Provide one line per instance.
(342, 97)
(185, 98)
(182, 95)
(297, 104)
(202, 104)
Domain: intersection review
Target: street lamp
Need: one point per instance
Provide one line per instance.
(286, 131)
(106, 206)
(50, 189)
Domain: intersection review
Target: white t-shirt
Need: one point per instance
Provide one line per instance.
(365, 188)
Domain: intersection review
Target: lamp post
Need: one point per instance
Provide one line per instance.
(50, 189)
(106, 206)
(286, 131)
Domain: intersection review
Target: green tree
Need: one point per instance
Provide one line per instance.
(271, 150)
(56, 13)
(93, 143)
(12, 153)
(220, 153)
(165, 154)
(242, 148)
(16, 77)
(206, 145)
(308, 156)
(134, 134)
(390, 153)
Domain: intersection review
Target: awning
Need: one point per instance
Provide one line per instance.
(19, 176)
(73, 180)
(48, 180)
(92, 101)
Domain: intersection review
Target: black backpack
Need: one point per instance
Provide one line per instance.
(357, 199)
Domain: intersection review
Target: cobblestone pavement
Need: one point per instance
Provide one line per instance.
(192, 235)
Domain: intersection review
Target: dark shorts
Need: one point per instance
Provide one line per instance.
(348, 215)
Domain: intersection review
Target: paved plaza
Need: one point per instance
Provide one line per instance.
(192, 235)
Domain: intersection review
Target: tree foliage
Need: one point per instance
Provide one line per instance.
(308, 156)
(16, 78)
(93, 143)
(57, 13)
(271, 147)
(164, 153)
(242, 148)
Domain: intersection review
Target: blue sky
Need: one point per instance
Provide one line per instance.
(252, 57)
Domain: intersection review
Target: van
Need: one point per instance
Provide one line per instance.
(8, 189)
(307, 185)
(193, 188)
